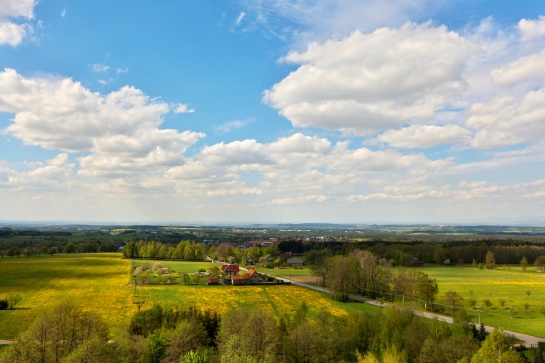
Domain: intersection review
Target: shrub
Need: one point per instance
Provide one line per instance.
(3, 304)
(13, 300)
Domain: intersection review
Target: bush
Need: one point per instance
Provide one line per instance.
(3, 304)
(13, 300)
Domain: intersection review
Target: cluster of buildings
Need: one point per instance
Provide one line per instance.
(231, 276)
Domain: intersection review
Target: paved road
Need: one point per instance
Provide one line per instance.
(528, 340)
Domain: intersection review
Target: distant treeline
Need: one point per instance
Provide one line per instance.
(404, 254)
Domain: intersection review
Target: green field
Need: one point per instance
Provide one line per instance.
(510, 284)
(100, 283)
(507, 283)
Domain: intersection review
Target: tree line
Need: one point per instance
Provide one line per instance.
(67, 334)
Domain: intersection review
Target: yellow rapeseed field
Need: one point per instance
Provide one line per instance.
(100, 283)
(279, 299)
(95, 282)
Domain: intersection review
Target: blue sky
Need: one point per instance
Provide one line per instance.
(272, 111)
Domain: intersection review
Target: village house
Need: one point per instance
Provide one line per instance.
(252, 277)
(230, 270)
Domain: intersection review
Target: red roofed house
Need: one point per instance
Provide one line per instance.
(230, 270)
(213, 281)
(252, 277)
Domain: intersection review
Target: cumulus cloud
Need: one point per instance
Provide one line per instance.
(12, 33)
(424, 136)
(527, 68)
(53, 176)
(120, 129)
(358, 84)
(508, 120)
(532, 29)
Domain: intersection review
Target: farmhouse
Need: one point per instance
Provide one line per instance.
(252, 277)
(230, 270)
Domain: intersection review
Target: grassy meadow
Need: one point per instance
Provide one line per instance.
(507, 283)
(100, 283)
(503, 283)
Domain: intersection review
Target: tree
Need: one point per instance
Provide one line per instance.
(320, 267)
(487, 304)
(490, 260)
(69, 248)
(13, 300)
(523, 263)
(214, 270)
(193, 357)
(13, 251)
(342, 276)
(56, 334)
(453, 300)
(540, 263)
(495, 349)
(188, 336)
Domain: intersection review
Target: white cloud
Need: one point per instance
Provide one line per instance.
(509, 120)
(99, 68)
(358, 85)
(63, 13)
(181, 108)
(240, 18)
(235, 153)
(229, 126)
(120, 130)
(424, 136)
(13, 33)
(304, 20)
(532, 29)
(55, 175)
(17, 8)
(528, 68)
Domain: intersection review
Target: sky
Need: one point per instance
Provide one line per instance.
(278, 111)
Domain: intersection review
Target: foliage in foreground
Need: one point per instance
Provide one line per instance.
(170, 335)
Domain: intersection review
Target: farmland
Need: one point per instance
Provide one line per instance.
(96, 282)
(279, 299)
(100, 283)
(508, 283)
(523, 291)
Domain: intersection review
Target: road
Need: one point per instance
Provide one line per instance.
(528, 340)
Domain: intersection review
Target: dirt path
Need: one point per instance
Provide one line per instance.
(5, 342)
